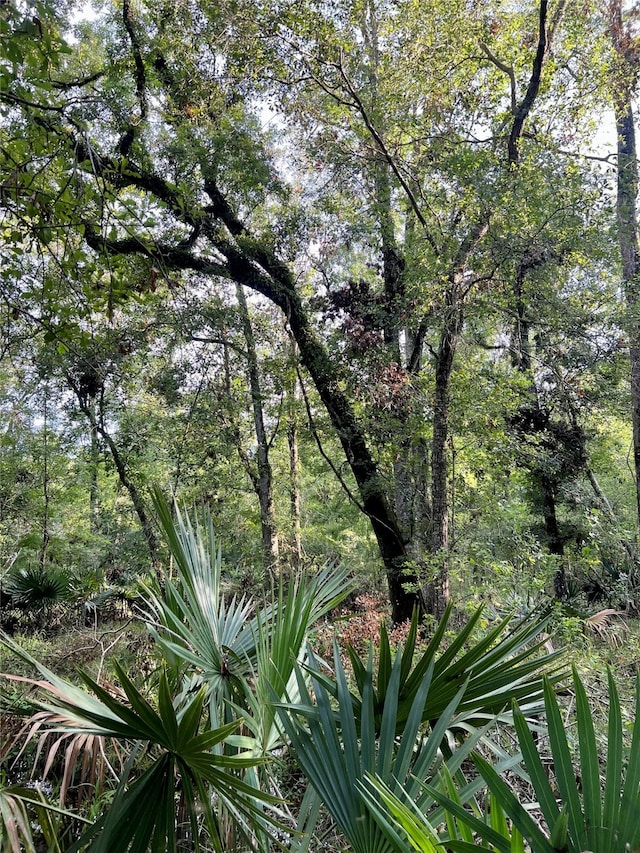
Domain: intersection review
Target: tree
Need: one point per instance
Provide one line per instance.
(164, 155)
(624, 85)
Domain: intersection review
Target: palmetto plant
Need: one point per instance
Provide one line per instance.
(593, 805)
(412, 713)
(242, 653)
(501, 666)
(19, 805)
(37, 588)
(223, 660)
(396, 726)
(335, 756)
(589, 808)
(176, 758)
(393, 813)
(240, 649)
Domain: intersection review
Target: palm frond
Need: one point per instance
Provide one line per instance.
(183, 756)
(599, 815)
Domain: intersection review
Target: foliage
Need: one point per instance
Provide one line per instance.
(223, 666)
(495, 669)
(129, 158)
(433, 342)
(378, 728)
(589, 816)
(180, 759)
(225, 640)
(37, 588)
(589, 806)
(335, 757)
(18, 806)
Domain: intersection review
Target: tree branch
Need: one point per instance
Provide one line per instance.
(390, 160)
(172, 257)
(323, 453)
(532, 90)
(65, 85)
(126, 141)
(10, 98)
(133, 176)
(506, 69)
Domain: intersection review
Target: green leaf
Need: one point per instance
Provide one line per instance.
(558, 837)
(630, 801)
(589, 764)
(514, 809)
(563, 766)
(537, 773)
(613, 770)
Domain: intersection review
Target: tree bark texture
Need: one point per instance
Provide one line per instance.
(294, 468)
(437, 594)
(627, 191)
(264, 481)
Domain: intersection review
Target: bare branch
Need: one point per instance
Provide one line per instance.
(390, 160)
(533, 88)
(506, 69)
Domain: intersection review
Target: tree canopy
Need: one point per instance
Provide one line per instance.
(250, 247)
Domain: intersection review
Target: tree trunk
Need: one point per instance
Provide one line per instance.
(294, 466)
(521, 359)
(94, 464)
(555, 541)
(438, 590)
(627, 192)
(46, 534)
(371, 486)
(263, 483)
(624, 88)
(134, 494)
(87, 407)
(250, 263)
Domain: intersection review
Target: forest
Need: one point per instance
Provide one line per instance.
(319, 426)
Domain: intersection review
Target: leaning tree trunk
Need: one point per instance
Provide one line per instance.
(125, 480)
(250, 263)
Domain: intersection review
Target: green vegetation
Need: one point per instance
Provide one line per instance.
(197, 755)
(353, 285)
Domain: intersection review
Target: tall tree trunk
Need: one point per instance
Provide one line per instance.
(250, 263)
(87, 407)
(294, 466)
(521, 359)
(437, 594)
(263, 483)
(46, 534)
(628, 238)
(624, 87)
(521, 344)
(371, 485)
(555, 541)
(94, 464)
